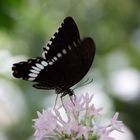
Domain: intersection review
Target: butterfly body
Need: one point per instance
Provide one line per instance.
(65, 61)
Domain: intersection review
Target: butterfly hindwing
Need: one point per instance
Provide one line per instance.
(75, 64)
(30, 69)
(39, 70)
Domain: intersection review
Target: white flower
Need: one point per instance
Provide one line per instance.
(81, 113)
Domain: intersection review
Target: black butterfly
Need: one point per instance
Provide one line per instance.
(65, 61)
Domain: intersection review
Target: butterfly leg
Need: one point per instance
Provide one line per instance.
(55, 101)
(71, 95)
(63, 102)
(74, 96)
(72, 100)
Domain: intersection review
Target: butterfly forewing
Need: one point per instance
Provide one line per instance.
(62, 40)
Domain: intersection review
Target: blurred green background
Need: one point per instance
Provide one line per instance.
(25, 26)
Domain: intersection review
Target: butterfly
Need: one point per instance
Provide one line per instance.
(65, 60)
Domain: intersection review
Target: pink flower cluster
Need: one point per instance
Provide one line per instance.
(81, 122)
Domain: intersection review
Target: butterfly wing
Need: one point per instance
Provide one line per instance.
(33, 69)
(37, 70)
(74, 65)
(70, 68)
(66, 35)
(66, 59)
(62, 73)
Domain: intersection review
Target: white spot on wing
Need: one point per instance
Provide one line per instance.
(47, 48)
(58, 30)
(50, 63)
(55, 58)
(74, 44)
(40, 66)
(64, 51)
(32, 75)
(34, 71)
(53, 37)
(52, 60)
(43, 55)
(31, 79)
(44, 63)
(59, 55)
(50, 42)
(46, 52)
(36, 68)
(69, 47)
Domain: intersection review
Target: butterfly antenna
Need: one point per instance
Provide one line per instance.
(88, 82)
(81, 84)
(55, 101)
(84, 83)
